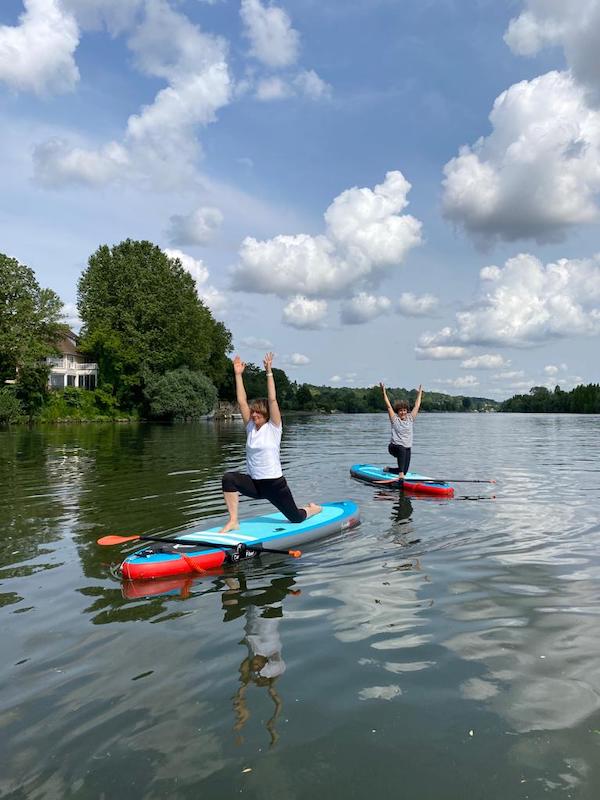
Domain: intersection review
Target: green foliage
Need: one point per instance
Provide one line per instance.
(180, 394)
(79, 405)
(304, 398)
(29, 318)
(10, 407)
(32, 387)
(580, 400)
(142, 317)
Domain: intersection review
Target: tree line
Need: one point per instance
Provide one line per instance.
(162, 355)
(580, 400)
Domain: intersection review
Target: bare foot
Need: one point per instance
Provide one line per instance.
(312, 509)
(232, 525)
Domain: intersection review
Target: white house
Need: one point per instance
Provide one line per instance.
(71, 368)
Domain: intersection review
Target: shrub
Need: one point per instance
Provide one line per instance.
(179, 394)
(10, 407)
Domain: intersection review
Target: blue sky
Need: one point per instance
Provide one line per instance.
(375, 190)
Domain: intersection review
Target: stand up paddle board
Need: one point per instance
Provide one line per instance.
(191, 553)
(413, 482)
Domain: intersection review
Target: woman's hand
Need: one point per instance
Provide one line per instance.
(382, 386)
(268, 362)
(238, 365)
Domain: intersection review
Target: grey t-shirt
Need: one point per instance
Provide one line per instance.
(402, 430)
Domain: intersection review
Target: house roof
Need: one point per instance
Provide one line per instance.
(67, 344)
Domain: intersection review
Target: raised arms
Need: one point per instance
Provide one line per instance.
(388, 405)
(240, 390)
(274, 412)
(417, 404)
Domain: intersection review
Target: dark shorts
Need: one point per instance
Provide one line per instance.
(275, 490)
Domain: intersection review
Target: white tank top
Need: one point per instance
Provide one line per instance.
(262, 450)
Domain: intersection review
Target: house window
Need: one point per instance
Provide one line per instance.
(57, 381)
(87, 382)
(70, 380)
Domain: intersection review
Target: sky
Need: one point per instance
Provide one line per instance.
(375, 190)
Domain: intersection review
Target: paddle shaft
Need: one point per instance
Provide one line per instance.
(218, 545)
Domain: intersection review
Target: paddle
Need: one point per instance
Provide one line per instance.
(436, 480)
(111, 539)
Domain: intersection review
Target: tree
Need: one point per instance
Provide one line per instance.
(180, 394)
(10, 407)
(304, 398)
(142, 317)
(29, 319)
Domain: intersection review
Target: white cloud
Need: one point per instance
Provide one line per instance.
(255, 343)
(537, 173)
(508, 376)
(273, 41)
(299, 360)
(273, 88)
(70, 316)
(197, 228)
(363, 308)
(210, 296)
(485, 361)
(439, 352)
(467, 381)
(294, 360)
(301, 312)
(116, 15)
(37, 55)
(411, 305)
(160, 141)
(346, 378)
(307, 84)
(365, 237)
(526, 303)
(57, 162)
(551, 369)
(574, 25)
(311, 85)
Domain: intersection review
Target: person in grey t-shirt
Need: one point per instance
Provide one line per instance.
(402, 421)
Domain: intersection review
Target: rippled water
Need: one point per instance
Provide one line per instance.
(444, 649)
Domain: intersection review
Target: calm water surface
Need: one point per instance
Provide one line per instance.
(444, 649)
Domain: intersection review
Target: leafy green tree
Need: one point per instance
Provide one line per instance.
(10, 407)
(180, 394)
(32, 386)
(142, 317)
(29, 318)
(304, 399)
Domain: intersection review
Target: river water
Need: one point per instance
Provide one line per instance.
(443, 649)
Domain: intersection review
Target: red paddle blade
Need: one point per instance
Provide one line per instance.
(116, 539)
(295, 553)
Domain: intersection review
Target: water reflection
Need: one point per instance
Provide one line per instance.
(260, 603)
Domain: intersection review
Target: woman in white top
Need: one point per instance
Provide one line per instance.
(262, 419)
(401, 420)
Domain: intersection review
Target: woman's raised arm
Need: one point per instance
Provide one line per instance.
(274, 412)
(390, 410)
(240, 390)
(417, 404)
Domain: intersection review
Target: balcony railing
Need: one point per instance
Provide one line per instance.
(75, 366)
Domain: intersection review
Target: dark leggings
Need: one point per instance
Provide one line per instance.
(275, 490)
(402, 454)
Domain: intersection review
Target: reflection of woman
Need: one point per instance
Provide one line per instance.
(264, 663)
(262, 419)
(401, 420)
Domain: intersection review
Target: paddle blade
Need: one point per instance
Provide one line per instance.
(295, 553)
(106, 540)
